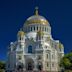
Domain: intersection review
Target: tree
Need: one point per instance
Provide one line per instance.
(2, 66)
(66, 61)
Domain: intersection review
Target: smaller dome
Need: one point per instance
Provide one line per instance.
(21, 33)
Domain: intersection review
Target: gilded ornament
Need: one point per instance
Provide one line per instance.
(36, 11)
(44, 22)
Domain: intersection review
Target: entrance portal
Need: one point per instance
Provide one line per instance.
(39, 66)
(19, 66)
(29, 64)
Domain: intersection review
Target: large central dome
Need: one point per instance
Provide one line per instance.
(36, 23)
(37, 19)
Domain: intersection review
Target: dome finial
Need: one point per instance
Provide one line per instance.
(36, 10)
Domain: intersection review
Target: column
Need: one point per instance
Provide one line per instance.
(35, 66)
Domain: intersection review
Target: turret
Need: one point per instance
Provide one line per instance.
(21, 36)
(11, 46)
(61, 49)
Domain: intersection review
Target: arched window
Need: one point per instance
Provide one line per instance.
(47, 64)
(30, 49)
(47, 56)
(31, 28)
(42, 28)
(45, 28)
(34, 28)
(39, 66)
(20, 66)
(20, 38)
(37, 28)
(20, 46)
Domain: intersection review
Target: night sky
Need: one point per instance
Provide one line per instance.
(13, 14)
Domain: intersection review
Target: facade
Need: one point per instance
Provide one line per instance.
(35, 49)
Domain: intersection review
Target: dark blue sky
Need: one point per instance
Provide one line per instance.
(13, 14)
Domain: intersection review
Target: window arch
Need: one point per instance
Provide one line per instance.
(31, 28)
(45, 28)
(30, 49)
(37, 28)
(34, 28)
(42, 28)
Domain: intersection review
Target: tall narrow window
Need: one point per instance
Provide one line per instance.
(45, 28)
(28, 29)
(30, 49)
(31, 28)
(37, 28)
(20, 38)
(34, 28)
(20, 46)
(47, 64)
(47, 56)
(60, 49)
(52, 64)
(42, 28)
(52, 56)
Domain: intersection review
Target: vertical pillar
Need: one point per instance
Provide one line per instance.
(43, 60)
(35, 66)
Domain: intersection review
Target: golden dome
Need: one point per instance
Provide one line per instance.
(21, 33)
(36, 19)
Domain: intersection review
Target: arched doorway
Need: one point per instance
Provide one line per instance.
(20, 66)
(39, 66)
(29, 64)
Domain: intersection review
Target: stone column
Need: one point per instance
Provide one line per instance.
(35, 66)
(44, 58)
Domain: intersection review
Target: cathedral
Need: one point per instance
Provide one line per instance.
(34, 48)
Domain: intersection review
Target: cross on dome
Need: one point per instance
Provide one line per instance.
(36, 10)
